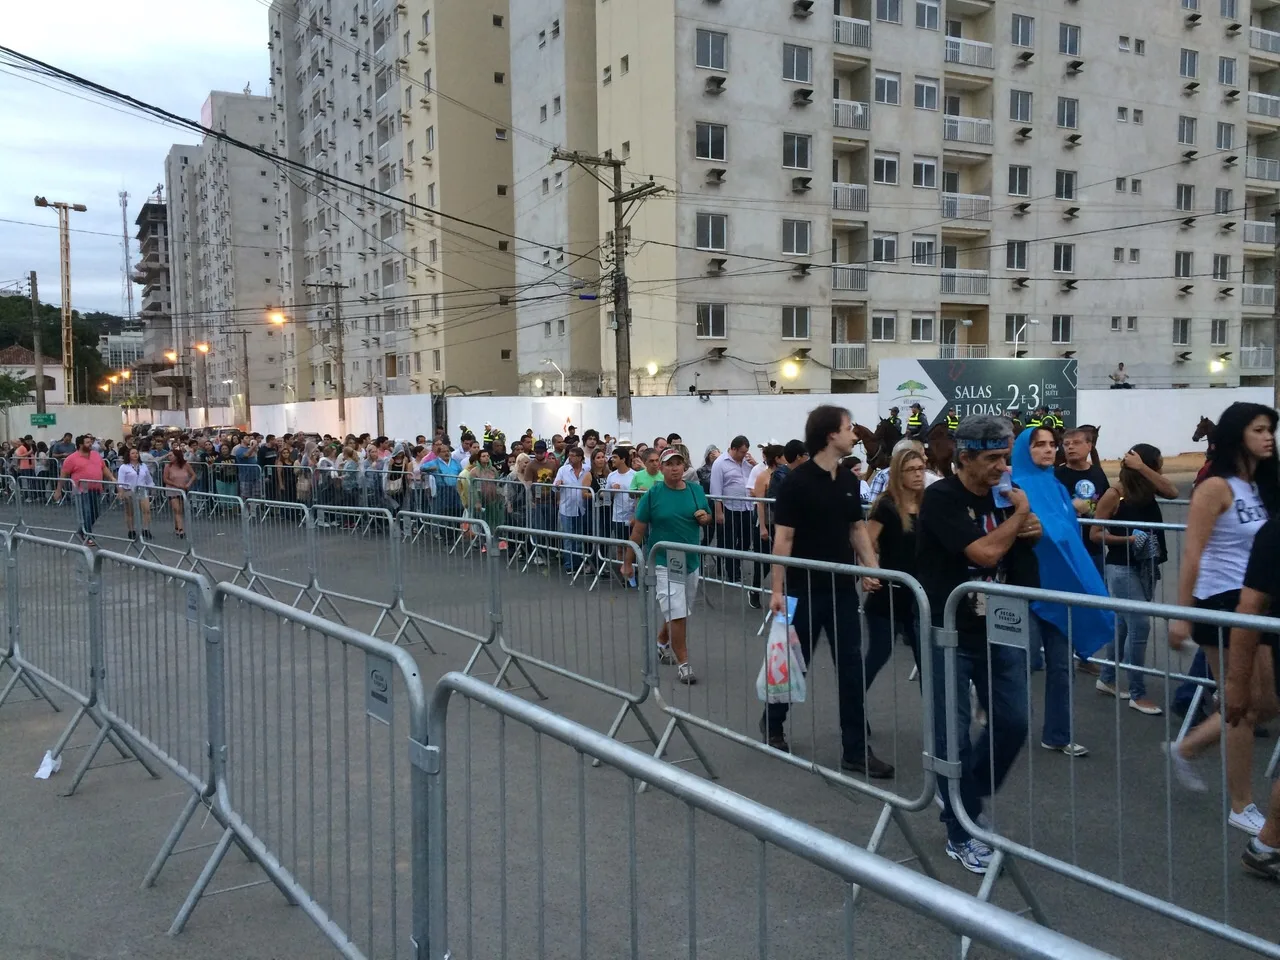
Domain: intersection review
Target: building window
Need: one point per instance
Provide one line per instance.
(884, 328)
(1020, 106)
(1124, 43)
(1135, 186)
(1065, 185)
(884, 247)
(1131, 324)
(797, 63)
(1185, 198)
(890, 11)
(1190, 4)
(1068, 113)
(1227, 71)
(435, 360)
(795, 323)
(1189, 64)
(1122, 184)
(1134, 254)
(712, 50)
(606, 75)
(922, 328)
(795, 237)
(888, 87)
(1138, 116)
(796, 151)
(1221, 266)
(1217, 333)
(542, 113)
(1181, 331)
(711, 323)
(713, 230)
(546, 186)
(1069, 39)
(1019, 181)
(1015, 327)
(546, 328)
(542, 39)
(924, 172)
(1117, 254)
(884, 168)
(1024, 31)
(709, 141)
(926, 93)
(1064, 258)
(555, 106)
(1061, 328)
(1187, 130)
(1015, 254)
(923, 250)
(1183, 263)
(1115, 324)
(1122, 114)
(1230, 9)
(500, 133)
(1222, 200)
(497, 20)
(927, 14)
(1139, 47)
(1226, 139)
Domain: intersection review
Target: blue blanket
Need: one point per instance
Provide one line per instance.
(1065, 564)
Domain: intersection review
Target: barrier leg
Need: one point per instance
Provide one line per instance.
(126, 749)
(1193, 712)
(171, 841)
(673, 724)
(891, 814)
(1003, 863)
(501, 676)
(202, 882)
(32, 685)
(1275, 760)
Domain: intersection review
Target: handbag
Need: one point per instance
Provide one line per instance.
(395, 486)
(304, 487)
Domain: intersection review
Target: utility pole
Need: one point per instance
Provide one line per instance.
(127, 300)
(202, 348)
(337, 334)
(1275, 315)
(36, 345)
(622, 201)
(64, 248)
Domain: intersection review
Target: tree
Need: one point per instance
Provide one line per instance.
(13, 391)
(91, 369)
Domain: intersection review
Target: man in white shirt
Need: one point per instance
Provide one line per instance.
(730, 486)
(574, 496)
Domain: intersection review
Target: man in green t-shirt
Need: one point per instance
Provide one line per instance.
(645, 479)
(673, 511)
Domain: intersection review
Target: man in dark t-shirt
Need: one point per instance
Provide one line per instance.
(1257, 598)
(963, 536)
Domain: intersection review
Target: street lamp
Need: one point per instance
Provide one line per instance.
(277, 318)
(651, 368)
(559, 371)
(126, 374)
(791, 370)
(171, 356)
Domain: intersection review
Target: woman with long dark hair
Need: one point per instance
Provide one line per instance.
(1227, 510)
(1132, 567)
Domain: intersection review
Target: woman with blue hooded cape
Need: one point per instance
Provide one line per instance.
(1065, 565)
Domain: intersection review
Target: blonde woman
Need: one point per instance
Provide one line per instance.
(891, 528)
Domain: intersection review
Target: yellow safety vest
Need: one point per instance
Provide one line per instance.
(915, 421)
(952, 422)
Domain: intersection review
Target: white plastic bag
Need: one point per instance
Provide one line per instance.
(781, 678)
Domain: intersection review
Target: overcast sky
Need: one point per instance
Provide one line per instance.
(167, 52)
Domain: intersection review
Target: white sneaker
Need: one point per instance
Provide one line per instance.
(1183, 770)
(1070, 749)
(1250, 820)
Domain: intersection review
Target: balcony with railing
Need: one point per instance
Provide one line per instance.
(1262, 359)
(1264, 105)
(963, 351)
(1267, 41)
(384, 151)
(966, 206)
(849, 276)
(849, 196)
(849, 357)
(967, 130)
(966, 283)
(852, 114)
(1260, 231)
(852, 32)
(1262, 168)
(970, 53)
(1258, 295)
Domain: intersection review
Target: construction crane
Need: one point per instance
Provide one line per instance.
(126, 302)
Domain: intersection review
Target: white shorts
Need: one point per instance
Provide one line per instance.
(673, 598)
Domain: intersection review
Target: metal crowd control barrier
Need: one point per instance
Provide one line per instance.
(339, 535)
(591, 638)
(218, 536)
(280, 550)
(8, 653)
(308, 724)
(1019, 834)
(559, 884)
(56, 634)
(727, 645)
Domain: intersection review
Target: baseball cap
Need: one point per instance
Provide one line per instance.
(671, 453)
(540, 447)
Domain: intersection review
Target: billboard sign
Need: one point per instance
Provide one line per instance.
(989, 386)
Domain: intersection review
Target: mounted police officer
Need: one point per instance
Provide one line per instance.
(894, 419)
(952, 420)
(917, 422)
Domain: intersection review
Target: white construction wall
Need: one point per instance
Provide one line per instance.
(101, 421)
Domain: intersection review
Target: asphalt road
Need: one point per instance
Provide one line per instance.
(70, 887)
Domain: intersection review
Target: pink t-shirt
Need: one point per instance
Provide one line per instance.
(85, 471)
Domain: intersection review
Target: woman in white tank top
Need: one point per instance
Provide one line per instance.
(1227, 510)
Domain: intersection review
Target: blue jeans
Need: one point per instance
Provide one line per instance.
(88, 504)
(1132, 629)
(574, 553)
(996, 748)
(1057, 683)
(448, 503)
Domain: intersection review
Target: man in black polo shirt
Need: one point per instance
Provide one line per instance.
(818, 516)
(963, 535)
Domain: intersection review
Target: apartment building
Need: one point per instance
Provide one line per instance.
(871, 179)
(223, 234)
(409, 99)
(141, 353)
(558, 256)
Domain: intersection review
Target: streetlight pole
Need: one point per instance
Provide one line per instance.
(559, 371)
(202, 349)
(64, 249)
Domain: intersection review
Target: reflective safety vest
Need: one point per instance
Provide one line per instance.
(1033, 422)
(952, 421)
(1051, 421)
(915, 422)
